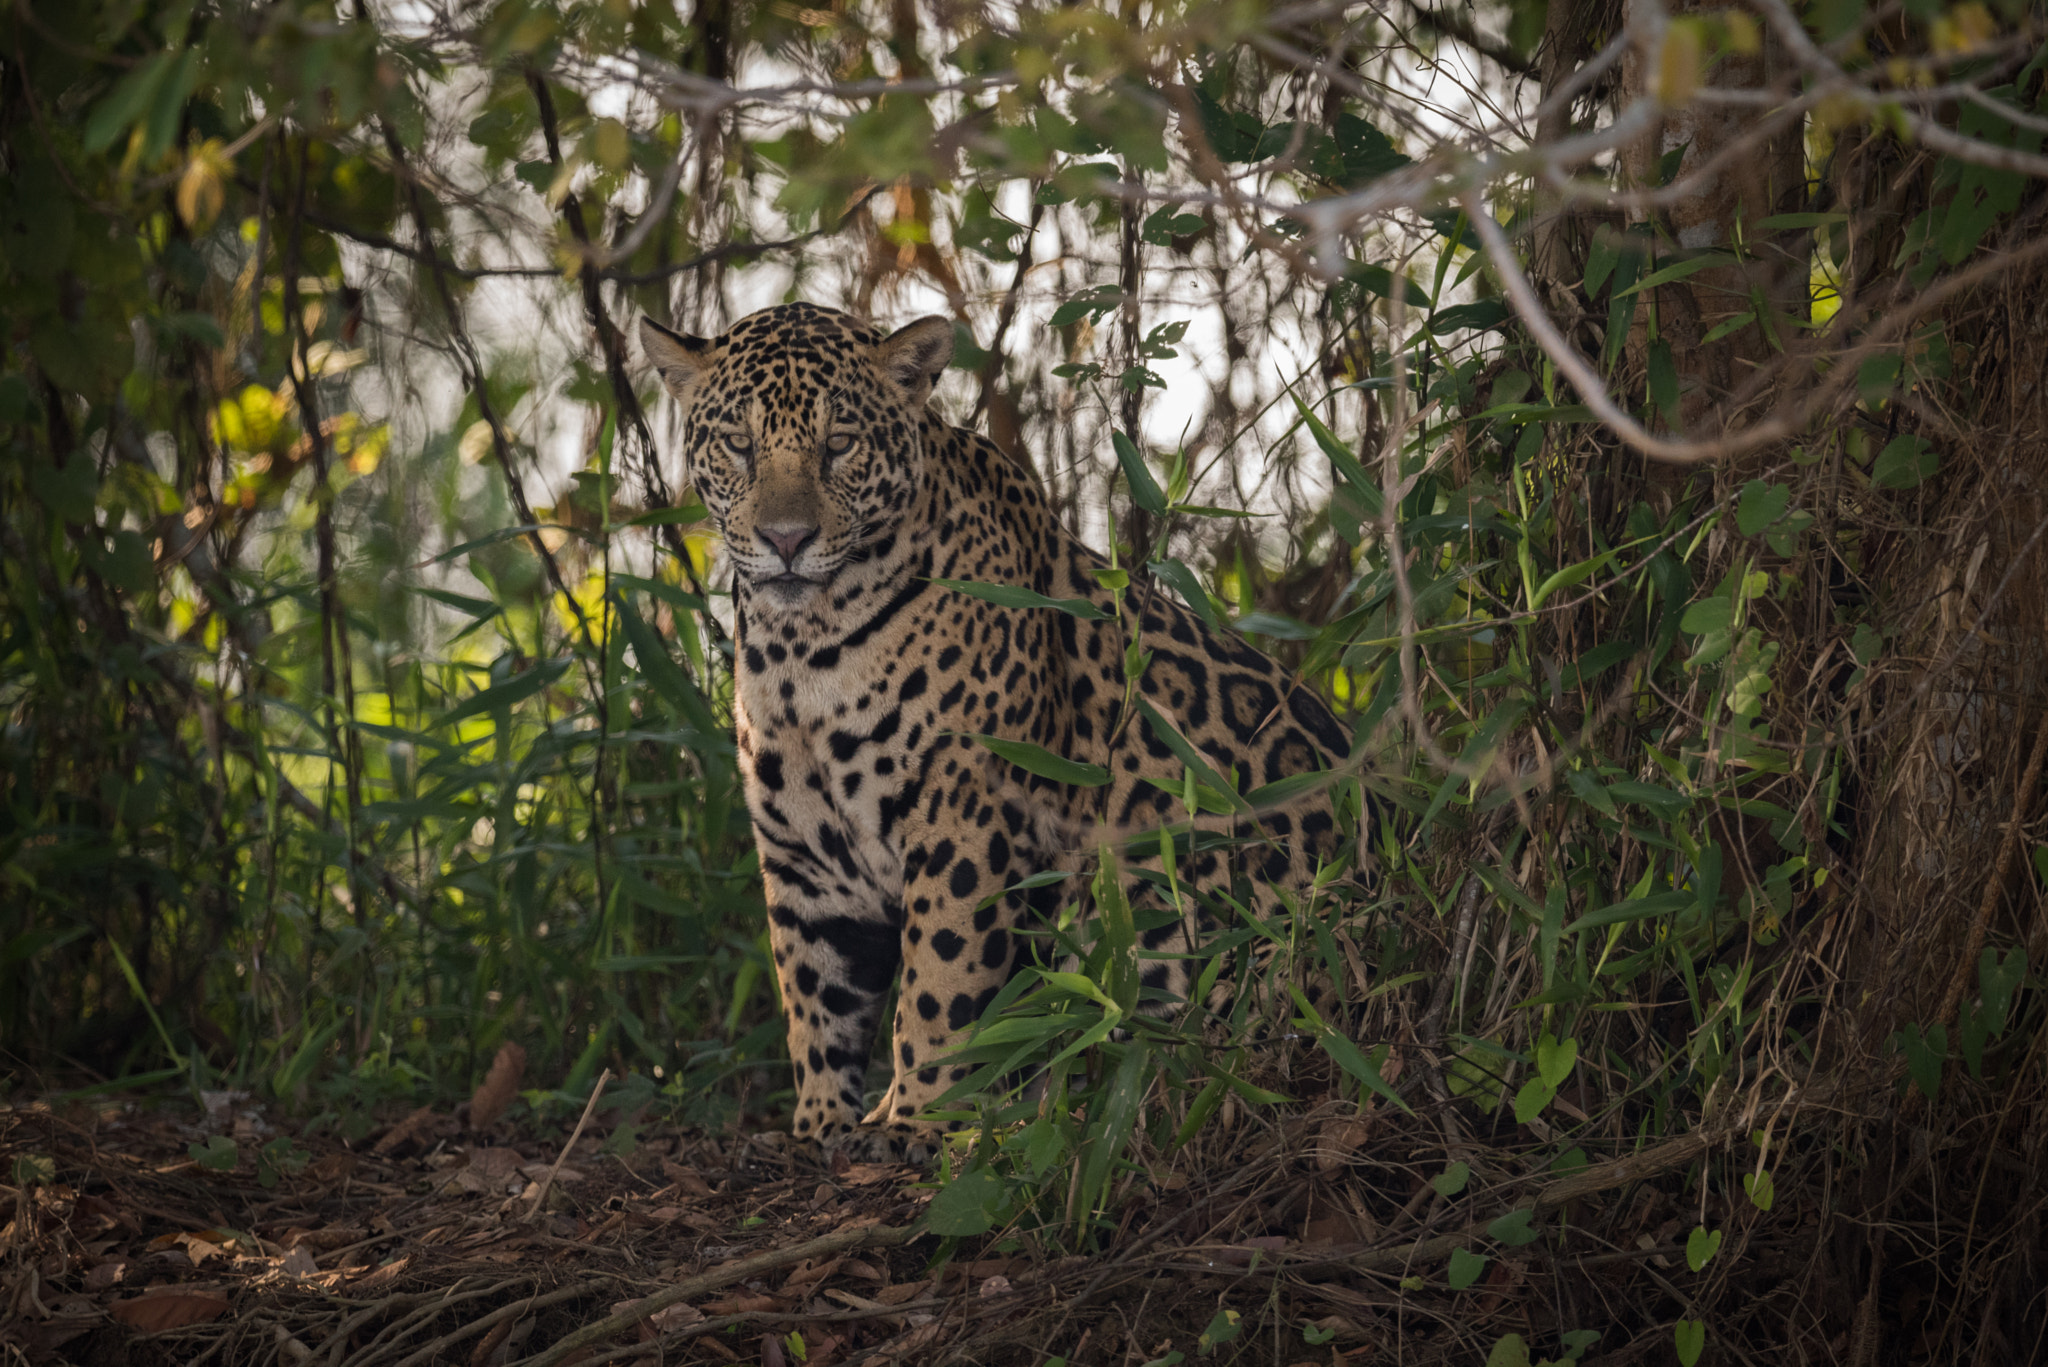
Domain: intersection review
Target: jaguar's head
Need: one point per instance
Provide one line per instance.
(803, 435)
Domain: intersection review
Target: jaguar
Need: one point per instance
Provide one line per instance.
(891, 839)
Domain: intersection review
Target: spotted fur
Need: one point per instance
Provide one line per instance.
(885, 834)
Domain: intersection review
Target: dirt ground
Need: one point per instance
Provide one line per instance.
(133, 1235)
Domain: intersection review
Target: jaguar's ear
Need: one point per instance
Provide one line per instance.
(915, 355)
(680, 361)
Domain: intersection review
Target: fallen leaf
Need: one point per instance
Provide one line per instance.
(771, 1352)
(203, 1245)
(46, 1337)
(538, 1172)
(901, 1292)
(379, 1278)
(326, 1240)
(155, 1313)
(686, 1179)
(922, 1337)
(404, 1132)
(106, 1274)
(745, 1305)
(298, 1263)
(1338, 1141)
(1325, 1231)
(874, 1174)
(332, 1167)
(994, 1286)
(806, 1275)
(498, 1088)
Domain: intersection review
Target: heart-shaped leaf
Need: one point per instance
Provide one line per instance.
(1465, 1268)
(1510, 1351)
(1452, 1180)
(1761, 1192)
(1554, 1059)
(1513, 1228)
(1690, 1338)
(1701, 1246)
(1531, 1099)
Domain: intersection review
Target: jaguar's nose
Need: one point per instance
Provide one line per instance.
(788, 539)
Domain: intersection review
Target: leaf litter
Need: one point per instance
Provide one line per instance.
(1322, 1236)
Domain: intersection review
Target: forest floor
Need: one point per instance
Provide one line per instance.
(147, 1232)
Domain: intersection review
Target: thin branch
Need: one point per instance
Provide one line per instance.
(839, 1241)
(1458, 25)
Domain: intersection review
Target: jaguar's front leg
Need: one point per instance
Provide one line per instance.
(835, 969)
(957, 953)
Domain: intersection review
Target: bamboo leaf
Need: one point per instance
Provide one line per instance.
(1036, 759)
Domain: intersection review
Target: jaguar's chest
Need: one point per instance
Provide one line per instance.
(830, 762)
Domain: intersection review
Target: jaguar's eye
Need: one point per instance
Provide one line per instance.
(839, 443)
(739, 443)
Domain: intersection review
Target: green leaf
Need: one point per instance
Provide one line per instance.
(1183, 582)
(1997, 979)
(1514, 1229)
(34, 1169)
(970, 1204)
(1660, 800)
(113, 115)
(1576, 1342)
(1592, 792)
(1225, 1326)
(1010, 596)
(1530, 1101)
(1381, 281)
(1465, 1268)
(1700, 1247)
(1509, 1351)
(1926, 1052)
(1761, 1190)
(1367, 488)
(514, 690)
(1036, 759)
(1568, 576)
(474, 607)
(1690, 1339)
(67, 490)
(1481, 316)
(1708, 616)
(501, 535)
(659, 668)
(1145, 490)
(1663, 377)
(1679, 271)
(1633, 909)
(216, 1152)
(668, 517)
(1347, 1054)
(1127, 1090)
(1452, 1179)
(1727, 326)
(1761, 505)
(1555, 1058)
(1195, 761)
(680, 599)
(1906, 462)
(1274, 625)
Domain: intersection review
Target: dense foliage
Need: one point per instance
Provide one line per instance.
(365, 677)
